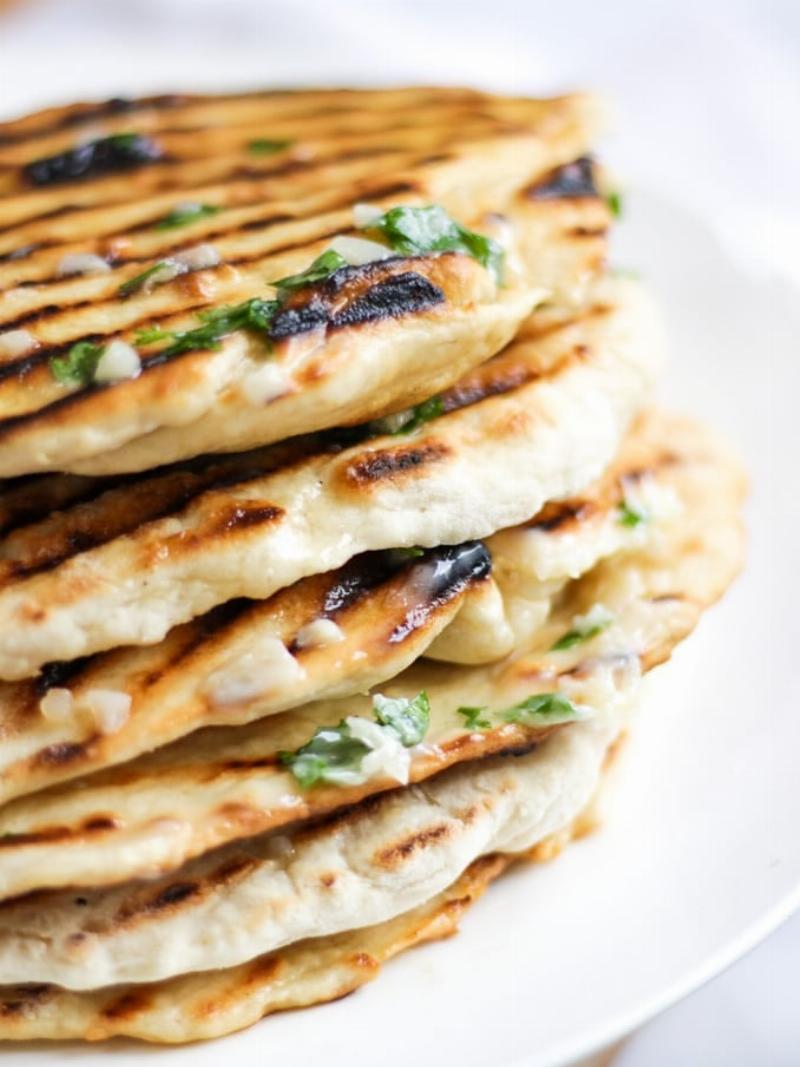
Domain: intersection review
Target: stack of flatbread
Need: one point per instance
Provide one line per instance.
(336, 534)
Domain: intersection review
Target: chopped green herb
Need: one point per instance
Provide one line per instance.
(420, 414)
(186, 213)
(542, 710)
(135, 283)
(614, 201)
(408, 718)
(322, 268)
(416, 230)
(399, 556)
(264, 146)
(255, 315)
(78, 366)
(631, 516)
(334, 754)
(474, 718)
(584, 628)
(148, 335)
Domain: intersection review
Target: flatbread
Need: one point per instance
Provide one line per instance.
(337, 873)
(447, 604)
(167, 548)
(201, 1006)
(391, 332)
(555, 247)
(362, 867)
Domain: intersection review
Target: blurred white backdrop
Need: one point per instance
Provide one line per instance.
(706, 97)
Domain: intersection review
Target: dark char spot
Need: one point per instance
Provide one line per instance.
(575, 179)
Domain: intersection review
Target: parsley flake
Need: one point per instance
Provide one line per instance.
(334, 755)
(254, 314)
(584, 628)
(322, 267)
(78, 366)
(543, 709)
(420, 414)
(265, 146)
(408, 718)
(132, 285)
(614, 201)
(184, 214)
(631, 515)
(412, 231)
(474, 718)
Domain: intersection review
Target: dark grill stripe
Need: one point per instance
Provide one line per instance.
(77, 114)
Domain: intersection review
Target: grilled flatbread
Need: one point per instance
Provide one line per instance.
(361, 867)
(386, 610)
(163, 549)
(372, 339)
(340, 870)
(210, 139)
(201, 1006)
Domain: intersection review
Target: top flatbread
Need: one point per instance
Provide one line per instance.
(164, 549)
(384, 336)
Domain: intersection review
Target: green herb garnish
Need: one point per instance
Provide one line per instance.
(474, 718)
(255, 315)
(584, 628)
(408, 718)
(630, 515)
(322, 268)
(186, 213)
(399, 556)
(79, 365)
(413, 231)
(135, 283)
(542, 710)
(334, 754)
(614, 201)
(420, 414)
(264, 146)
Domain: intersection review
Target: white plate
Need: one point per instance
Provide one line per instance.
(700, 857)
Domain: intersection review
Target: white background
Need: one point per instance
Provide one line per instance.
(707, 98)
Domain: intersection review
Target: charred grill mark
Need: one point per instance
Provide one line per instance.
(106, 155)
(60, 549)
(19, 253)
(36, 506)
(78, 114)
(399, 294)
(58, 675)
(63, 753)
(416, 842)
(51, 834)
(250, 171)
(22, 998)
(240, 517)
(386, 464)
(487, 385)
(451, 571)
(178, 893)
(588, 231)
(127, 1006)
(558, 514)
(196, 633)
(573, 180)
